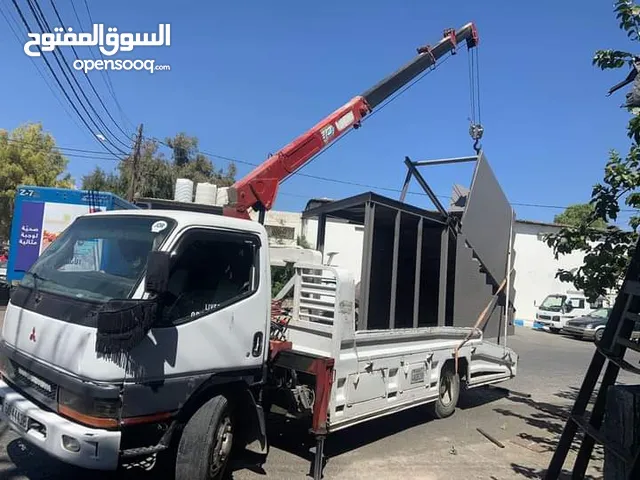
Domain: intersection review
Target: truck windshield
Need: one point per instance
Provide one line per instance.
(99, 257)
(553, 303)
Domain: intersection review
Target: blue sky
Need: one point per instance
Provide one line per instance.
(248, 77)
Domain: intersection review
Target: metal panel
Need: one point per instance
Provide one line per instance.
(394, 270)
(322, 229)
(486, 221)
(365, 278)
(444, 262)
(416, 291)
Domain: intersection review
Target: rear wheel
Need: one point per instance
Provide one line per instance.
(449, 392)
(206, 442)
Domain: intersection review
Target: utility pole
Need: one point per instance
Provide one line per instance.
(135, 163)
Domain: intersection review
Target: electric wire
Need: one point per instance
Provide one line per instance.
(64, 92)
(93, 88)
(106, 77)
(43, 23)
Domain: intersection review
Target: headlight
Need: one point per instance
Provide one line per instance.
(589, 327)
(95, 412)
(556, 318)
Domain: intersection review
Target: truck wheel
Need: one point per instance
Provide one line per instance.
(449, 391)
(554, 330)
(206, 442)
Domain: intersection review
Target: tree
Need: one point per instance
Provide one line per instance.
(607, 252)
(577, 214)
(28, 156)
(157, 174)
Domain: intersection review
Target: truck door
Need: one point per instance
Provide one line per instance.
(213, 320)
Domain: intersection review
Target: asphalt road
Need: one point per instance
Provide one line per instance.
(410, 444)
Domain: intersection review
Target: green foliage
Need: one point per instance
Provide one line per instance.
(279, 277)
(607, 252)
(28, 156)
(576, 214)
(157, 174)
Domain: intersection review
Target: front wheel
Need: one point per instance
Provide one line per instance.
(598, 336)
(206, 442)
(449, 392)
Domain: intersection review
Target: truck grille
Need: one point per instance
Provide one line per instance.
(23, 378)
(544, 317)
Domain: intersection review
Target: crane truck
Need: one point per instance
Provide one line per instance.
(170, 346)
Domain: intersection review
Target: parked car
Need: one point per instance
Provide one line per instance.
(591, 326)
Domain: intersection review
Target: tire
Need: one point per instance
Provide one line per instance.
(598, 336)
(206, 442)
(554, 330)
(449, 392)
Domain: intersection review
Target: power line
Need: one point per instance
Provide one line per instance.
(55, 77)
(57, 54)
(12, 26)
(104, 72)
(62, 24)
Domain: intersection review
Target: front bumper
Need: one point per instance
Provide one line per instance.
(550, 323)
(97, 449)
(579, 331)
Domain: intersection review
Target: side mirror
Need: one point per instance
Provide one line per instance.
(568, 307)
(535, 303)
(157, 277)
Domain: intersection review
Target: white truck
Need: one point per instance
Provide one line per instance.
(168, 345)
(558, 308)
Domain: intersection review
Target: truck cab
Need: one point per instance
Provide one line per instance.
(557, 308)
(97, 365)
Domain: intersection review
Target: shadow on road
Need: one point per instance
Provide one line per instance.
(293, 436)
(548, 420)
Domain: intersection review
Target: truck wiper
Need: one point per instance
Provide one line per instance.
(36, 279)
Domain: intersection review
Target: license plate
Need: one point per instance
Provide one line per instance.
(15, 415)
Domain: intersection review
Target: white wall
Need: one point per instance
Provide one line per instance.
(341, 237)
(536, 267)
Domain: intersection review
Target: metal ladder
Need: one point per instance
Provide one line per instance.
(611, 351)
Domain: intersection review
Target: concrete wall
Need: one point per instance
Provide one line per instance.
(536, 267)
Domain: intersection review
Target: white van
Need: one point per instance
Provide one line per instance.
(557, 308)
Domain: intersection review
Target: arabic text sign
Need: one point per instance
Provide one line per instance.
(28, 248)
(109, 43)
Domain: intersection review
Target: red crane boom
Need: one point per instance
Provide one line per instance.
(259, 188)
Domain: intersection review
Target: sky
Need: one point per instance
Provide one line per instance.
(248, 77)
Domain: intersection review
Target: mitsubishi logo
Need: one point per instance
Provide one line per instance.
(32, 337)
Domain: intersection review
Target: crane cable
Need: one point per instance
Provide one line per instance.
(476, 130)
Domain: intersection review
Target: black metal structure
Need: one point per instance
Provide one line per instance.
(610, 352)
(418, 266)
(481, 225)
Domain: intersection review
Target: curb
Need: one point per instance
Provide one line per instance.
(527, 323)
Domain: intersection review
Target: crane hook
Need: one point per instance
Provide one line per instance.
(476, 131)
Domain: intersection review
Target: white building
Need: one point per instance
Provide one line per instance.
(535, 264)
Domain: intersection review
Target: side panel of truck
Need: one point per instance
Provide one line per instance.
(378, 372)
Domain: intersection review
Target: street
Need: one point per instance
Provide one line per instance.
(412, 444)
